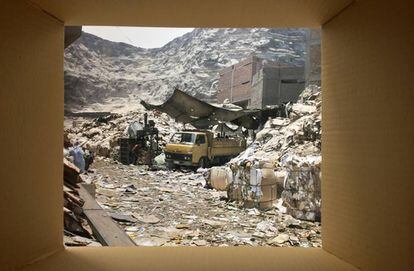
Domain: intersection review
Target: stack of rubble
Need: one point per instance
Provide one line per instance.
(76, 230)
(101, 135)
(293, 147)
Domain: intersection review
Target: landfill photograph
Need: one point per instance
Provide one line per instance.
(204, 137)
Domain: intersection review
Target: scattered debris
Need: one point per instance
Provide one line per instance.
(172, 208)
(77, 232)
(280, 239)
(123, 218)
(148, 219)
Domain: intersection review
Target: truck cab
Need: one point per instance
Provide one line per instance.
(200, 149)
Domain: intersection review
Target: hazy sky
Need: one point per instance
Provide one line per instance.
(146, 37)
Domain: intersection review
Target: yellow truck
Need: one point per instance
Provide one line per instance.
(199, 148)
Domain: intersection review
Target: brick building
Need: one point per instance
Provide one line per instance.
(236, 83)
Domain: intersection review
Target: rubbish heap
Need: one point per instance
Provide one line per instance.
(101, 135)
(77, 232)
(172, 208)
(283, 162)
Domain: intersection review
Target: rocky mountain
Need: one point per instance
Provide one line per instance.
(97, 70)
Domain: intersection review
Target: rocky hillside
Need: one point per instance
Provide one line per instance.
(97, 70)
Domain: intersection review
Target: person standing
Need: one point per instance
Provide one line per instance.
(77, 153)
(135, 151)
(88, 156)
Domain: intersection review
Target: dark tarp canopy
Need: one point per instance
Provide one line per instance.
(187, 109)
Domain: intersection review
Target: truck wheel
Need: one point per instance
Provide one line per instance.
(203, 163)
(171, 166)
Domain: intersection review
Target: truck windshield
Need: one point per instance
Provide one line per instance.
(183, 138)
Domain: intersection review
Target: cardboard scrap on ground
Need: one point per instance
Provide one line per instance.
(71, 173)
(76, 230)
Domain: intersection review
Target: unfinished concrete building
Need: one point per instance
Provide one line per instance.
(256, 82)
(276, 85)
(235, 81)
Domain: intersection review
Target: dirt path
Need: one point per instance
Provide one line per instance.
(165, 208)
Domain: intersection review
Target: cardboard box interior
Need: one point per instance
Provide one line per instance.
(367, 125)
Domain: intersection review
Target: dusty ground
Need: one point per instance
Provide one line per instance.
(165, 208)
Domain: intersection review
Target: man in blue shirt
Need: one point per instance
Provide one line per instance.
(77, 153)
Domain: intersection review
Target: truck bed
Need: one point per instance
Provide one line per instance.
(226, 147)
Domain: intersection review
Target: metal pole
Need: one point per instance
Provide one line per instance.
(279, 86)
(231, 84)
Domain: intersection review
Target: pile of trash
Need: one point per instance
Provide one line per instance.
(289, 148)
(100, 135)
(77, 231)
(300, 134)
(172, 208)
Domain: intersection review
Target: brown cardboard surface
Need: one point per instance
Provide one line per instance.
(31, 110)
(186, 258)
(195, 13)
(367, 133)
(368, 145)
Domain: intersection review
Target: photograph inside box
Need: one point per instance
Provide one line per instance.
(206, 135)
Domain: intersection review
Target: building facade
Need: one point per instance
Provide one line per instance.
(276, 85)
(235, 81)
(256, 83)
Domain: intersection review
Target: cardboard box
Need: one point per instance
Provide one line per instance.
(367, 58)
